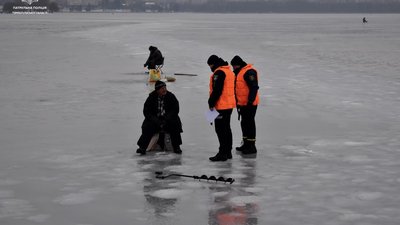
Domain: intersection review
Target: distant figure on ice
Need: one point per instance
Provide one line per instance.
(161, 111)
(365, 20)
(247, 98)
(155, 58)
(222, 99)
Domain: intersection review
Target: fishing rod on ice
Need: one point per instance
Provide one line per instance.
(159, 175)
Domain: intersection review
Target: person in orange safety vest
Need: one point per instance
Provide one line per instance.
(222, 99)
(247, 97)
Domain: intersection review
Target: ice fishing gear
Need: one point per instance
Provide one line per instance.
(185, 74)
(159, 175)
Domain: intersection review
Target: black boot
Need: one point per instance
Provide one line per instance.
(250, 149)
(240, 148)
(219, 157)
(243, 146)
(229, 155)
(141, 151)
(177, 150)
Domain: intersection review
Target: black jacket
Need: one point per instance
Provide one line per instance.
(170, 122)
(155, 57)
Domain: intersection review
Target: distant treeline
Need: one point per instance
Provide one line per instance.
(291, 7)
(221, 6)
(261, 6)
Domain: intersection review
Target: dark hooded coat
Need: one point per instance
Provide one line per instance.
(170, 122)
(155, 57)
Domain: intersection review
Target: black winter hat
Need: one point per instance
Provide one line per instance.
(152, 48)
(237, 61)
(213, 59)
(159, 84)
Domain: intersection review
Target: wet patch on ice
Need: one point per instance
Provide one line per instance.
(244, 167)
(168, 214)
(327, 175)
(16, 208)
(358, 158)
(356, 216)
(244, 200)
(142, 74)
(126, 186)
(10, 207)
(142, 175)
(295, 66)
(187, 184)
(235, 175)
(6, 193)
(215, 169)
(254, 190)
(295, 151)
(352, 103)
(41, 218)
(357, 143)
(147, 166)
(337, 143)
(179, 168)
(82, 197)
(220, 194)
(9, 182)
(369, 196)
(343, 201)
(66, 158)
(130, 81)
(171, 193)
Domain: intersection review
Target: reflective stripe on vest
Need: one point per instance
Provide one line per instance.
(242, 90)
(227, 98)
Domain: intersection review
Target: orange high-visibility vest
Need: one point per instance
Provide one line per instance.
(242, 90)
(227, 98)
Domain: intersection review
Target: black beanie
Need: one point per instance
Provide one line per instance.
(213, 59)
(159, 84)
(152, 48)
(237, 61)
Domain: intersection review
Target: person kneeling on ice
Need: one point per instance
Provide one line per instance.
(161, 111)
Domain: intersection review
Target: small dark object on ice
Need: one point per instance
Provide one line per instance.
(159, 175)
(185, 74)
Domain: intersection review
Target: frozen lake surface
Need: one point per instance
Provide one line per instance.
(328, 126)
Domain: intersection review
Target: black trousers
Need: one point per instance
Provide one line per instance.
(248, 123)
(144, 140)
(223, 130)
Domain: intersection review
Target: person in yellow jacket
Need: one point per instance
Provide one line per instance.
(247, 99)
(222, 99)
